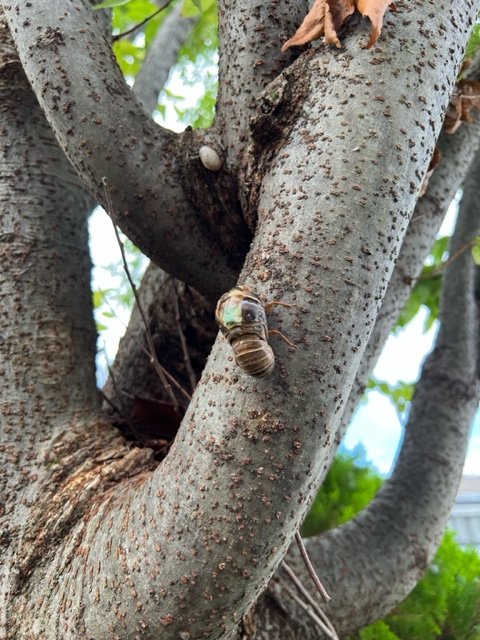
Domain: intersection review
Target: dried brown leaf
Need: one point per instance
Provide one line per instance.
(469, 97)
(312, 27)
(330, 31)
(453, 116)
(341, 10)
(327, 16)
(465, 98)
(374, 10)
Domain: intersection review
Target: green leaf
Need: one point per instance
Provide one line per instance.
(474, 42)
(426, 292)
(108, 4)
(191, 8)
(347, 489)
(476, 250)
(378, 631)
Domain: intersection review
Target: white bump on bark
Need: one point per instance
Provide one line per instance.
(210, 158)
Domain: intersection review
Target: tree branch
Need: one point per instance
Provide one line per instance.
(363, 562)
(104, 132)
(457, 151)
(161, 57)
(132, 371)
(245, 70)
(47, 334)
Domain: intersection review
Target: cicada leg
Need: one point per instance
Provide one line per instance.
(277, 332)
(276, 303)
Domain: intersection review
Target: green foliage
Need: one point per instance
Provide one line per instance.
(377, 631)
(110, 302)
(130, 52)
(347, 489)
(476, 251)
(445, 604)
(194, 7)
(195, 74)
(427, 290)
(474, 42)
(196, 69)
(108, 4)
(400, 394)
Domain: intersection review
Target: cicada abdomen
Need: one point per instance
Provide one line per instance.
(254, 355)
(242, 318)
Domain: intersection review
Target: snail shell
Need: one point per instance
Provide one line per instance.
(210, 158)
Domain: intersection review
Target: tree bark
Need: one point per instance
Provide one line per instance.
(47, 343)
(457, 152)
(250, 35)
(132, 374)
(371, 564)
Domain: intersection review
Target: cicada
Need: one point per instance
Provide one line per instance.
(242, 318)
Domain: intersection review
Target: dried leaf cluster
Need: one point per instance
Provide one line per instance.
(326, 17)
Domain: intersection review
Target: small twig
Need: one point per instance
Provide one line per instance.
(151, 347)
(441, 267)
(172, 379)
(140, 24)
(183, 341)
(111, 404)
(118, 410)
(308, 609)
(311, 570)
(297, 582)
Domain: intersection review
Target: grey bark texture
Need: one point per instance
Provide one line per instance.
(47, 343)
(395, 538)
(172, 309)
(180, 320)
(116, 545)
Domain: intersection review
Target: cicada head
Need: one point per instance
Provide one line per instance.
(240, 311)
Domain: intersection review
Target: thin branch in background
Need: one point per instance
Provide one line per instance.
(183, 341)
(112, 405)
(309, 611)
(441, 268)
(140, 24)
(311, 570)
(118, 410)
(297, 582)
(162, 374)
